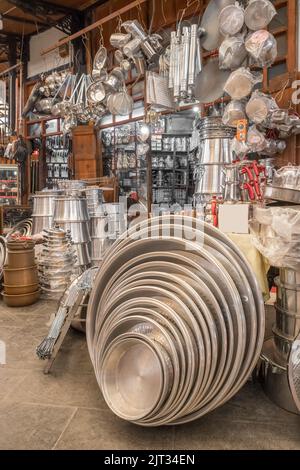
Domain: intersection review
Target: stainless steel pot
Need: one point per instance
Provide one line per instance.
(288, 297)
(70, 209)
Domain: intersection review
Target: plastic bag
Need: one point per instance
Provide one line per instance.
(276, 233)
(240, 148)
(231, 19)
(256, 140)
(259, 13)
(240, 83)
(234, 111)
(232, 52)
(260, 106)
(262, 47)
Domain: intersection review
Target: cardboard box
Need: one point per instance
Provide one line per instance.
(234, 218)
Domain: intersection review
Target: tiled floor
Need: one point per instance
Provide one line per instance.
(65, 410)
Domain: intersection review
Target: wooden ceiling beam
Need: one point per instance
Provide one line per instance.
(24, 20)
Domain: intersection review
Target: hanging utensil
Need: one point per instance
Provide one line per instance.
(210, 23)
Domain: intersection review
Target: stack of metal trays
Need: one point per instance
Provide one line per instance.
(99, 235)
(43, 209)
(175, 321)
(71, 213)
(215, 152)
(56, 262)
(278, 350)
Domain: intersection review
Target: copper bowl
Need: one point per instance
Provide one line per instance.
(20, 276)
(21, 300)
(20, 290)
(20, 258)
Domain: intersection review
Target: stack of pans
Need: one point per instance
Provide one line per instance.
(215, 152)
(56, 262)
(175, 321)
(277, 379)
(20, 273)
(71, 213)
(43, 209)
(99, 235)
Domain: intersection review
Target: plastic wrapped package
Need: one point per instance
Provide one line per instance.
(262, 47)
(234, 111)
(259, 13)
(232, 52)
(260, 106)
(240, 83)
(287, 177)
(240, 148)
(276, 233)
(231, 19)
(256, 140)
(274, 146)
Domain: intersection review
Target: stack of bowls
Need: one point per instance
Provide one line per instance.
(175, 321)
(71, 213)
(43, 209)
(20, 273)
(99, 235)
(276, 352)
(56, 262)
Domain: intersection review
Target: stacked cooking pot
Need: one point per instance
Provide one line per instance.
(215, 152)
(56, 262)
(116, 219)
(94, 196)
(99, 234)
(281, 379)
(175, 321)
(43, 209)
(71, 213)
(20, 273)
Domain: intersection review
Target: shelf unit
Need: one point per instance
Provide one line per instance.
(53, 160)
(171, 169)
(120, 159)
(9, 184)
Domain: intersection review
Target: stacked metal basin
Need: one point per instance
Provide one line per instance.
(215, 152)
(43, 209)
(175, 321)
(56, 262)
(71, 213)
(276, 355)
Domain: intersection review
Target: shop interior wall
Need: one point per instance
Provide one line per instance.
(167, 12)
